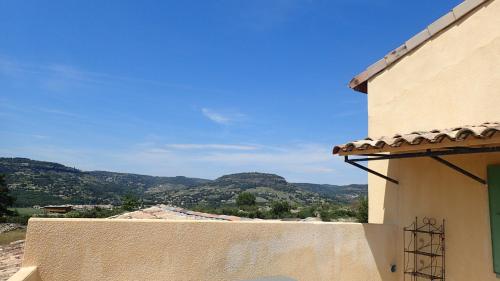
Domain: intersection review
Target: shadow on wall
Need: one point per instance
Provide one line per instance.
(428, 188)
(391, 211)
(419, 194)
(385, 257)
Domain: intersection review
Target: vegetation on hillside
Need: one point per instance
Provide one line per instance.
(339, 193)
(254, 195)
(246, 199)
(6, 199)
(362, 210)
(42, 183)
(325, 211)
(130, 202)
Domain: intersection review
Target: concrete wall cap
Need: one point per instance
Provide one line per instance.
(396, 54)
(28, 273)
(441, 23)
(465, 7)
(137, 221)
(375, 68)
(418, 39)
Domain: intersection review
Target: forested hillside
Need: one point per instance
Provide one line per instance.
(41, 183)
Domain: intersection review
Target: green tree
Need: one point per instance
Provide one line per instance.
(306, 212)
(246, 199)
(362, 210)
(325, 215)
(130, 202)
(6, 200)
(280, 209)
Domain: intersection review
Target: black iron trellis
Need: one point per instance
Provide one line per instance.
(428, 153)
(424, 250)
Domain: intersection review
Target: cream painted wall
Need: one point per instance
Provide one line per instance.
(452, 80)
(428, 188)
(93, 249)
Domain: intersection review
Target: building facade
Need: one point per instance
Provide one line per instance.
(434, 94)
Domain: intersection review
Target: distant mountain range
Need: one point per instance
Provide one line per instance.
(42, 183)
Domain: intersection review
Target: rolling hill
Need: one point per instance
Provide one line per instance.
(42, 183)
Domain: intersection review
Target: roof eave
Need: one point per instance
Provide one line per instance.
(472, 143)
(360, 82)
(358, 86)
(469, 135)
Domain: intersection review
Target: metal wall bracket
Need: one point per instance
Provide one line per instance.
(346, 159)
(428, 153)
(458, 169)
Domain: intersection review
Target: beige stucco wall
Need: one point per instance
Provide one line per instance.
(91, 249)
(452, 80)
(428, 188)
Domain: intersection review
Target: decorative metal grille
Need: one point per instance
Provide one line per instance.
(424, 250)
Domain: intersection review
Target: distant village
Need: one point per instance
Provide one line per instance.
(63, 209)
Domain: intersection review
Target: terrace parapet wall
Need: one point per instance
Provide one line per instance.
(101, 249)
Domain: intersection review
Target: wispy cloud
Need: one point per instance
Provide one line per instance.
(223, 118)
(195, 146)
(26, 135)
(215, 116)
(59, 112)
(296, 158)
(41, 137)
(304, 162)
(5, 105)
(60, 76)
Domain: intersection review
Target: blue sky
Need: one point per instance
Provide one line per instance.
(195, 88)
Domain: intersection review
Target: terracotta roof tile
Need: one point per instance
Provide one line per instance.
(456, 134)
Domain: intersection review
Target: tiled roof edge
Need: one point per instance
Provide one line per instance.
(359, 82)
(415, 139)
